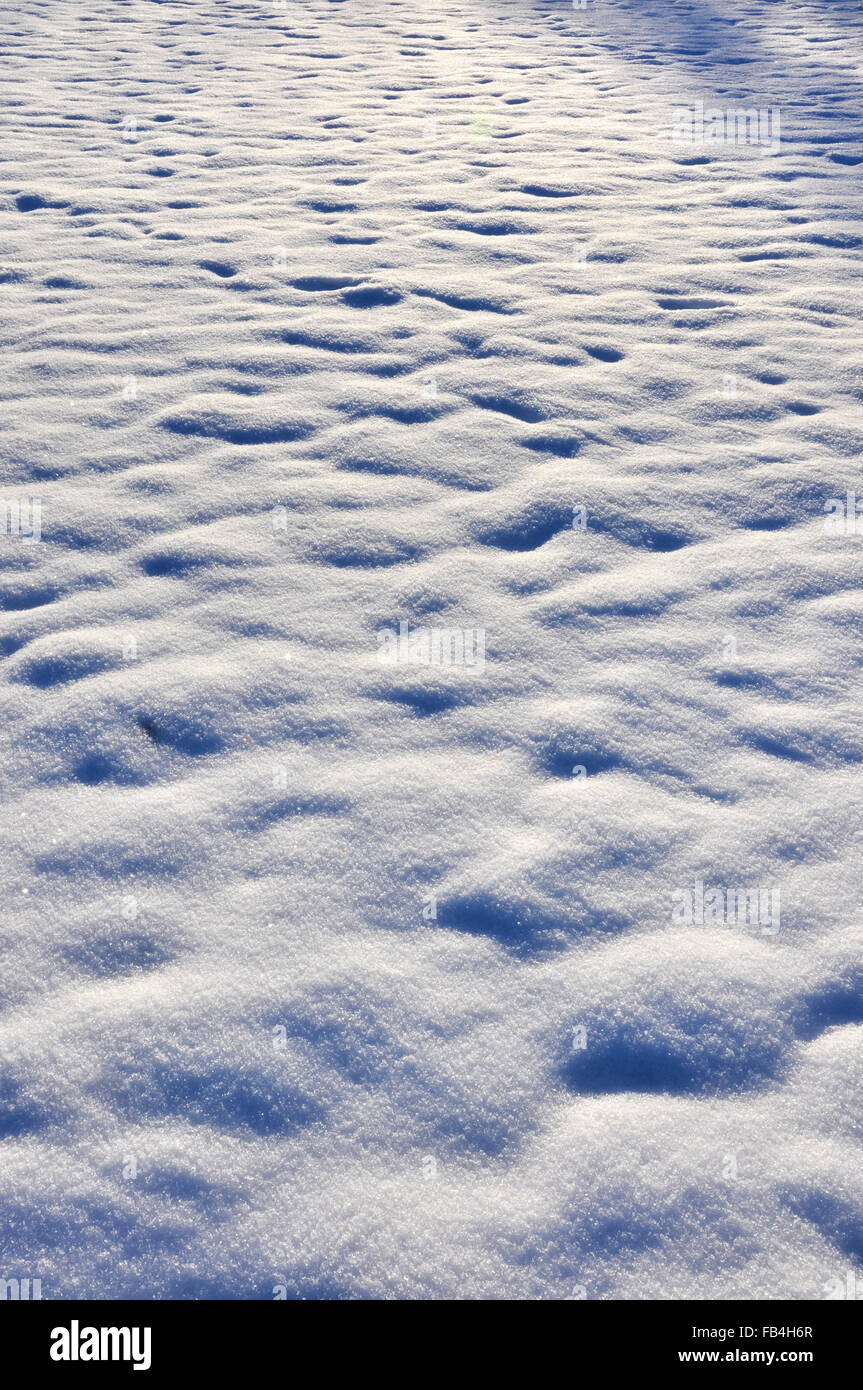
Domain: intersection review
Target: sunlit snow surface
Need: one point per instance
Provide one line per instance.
(331, 978)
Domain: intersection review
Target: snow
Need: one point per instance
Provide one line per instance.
(338, 969)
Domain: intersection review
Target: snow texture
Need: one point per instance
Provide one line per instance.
(334, 967)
